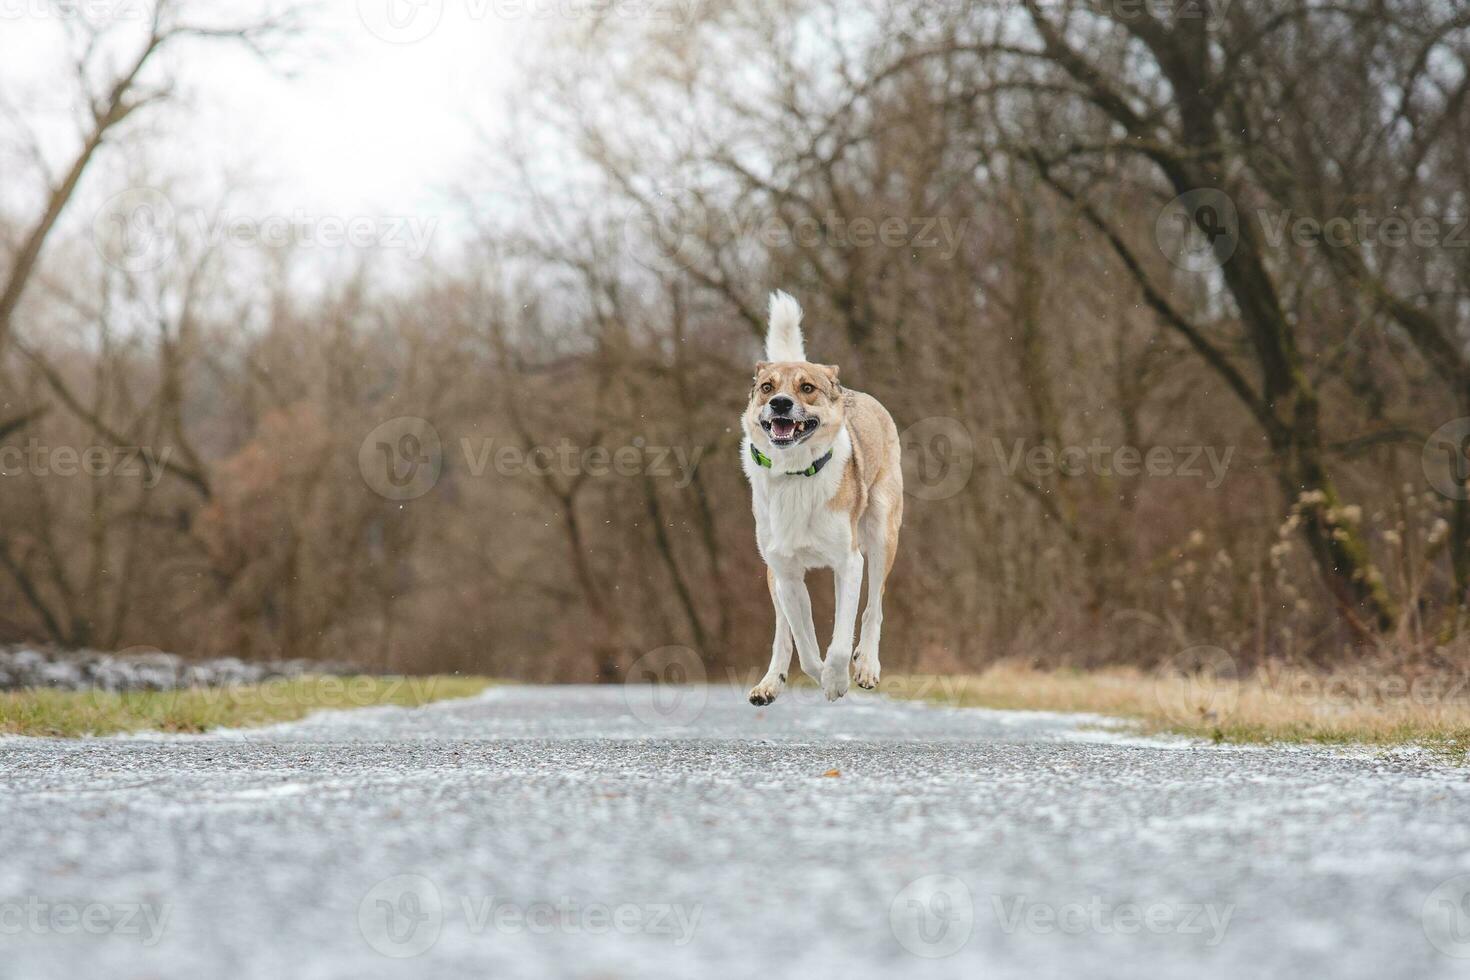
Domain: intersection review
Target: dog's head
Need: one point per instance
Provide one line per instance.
(794, 403)
(795, 409)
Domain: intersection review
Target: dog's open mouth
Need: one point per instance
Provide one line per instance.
(787, 432)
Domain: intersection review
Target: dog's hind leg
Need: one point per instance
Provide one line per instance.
(781, 648)
(880, 541)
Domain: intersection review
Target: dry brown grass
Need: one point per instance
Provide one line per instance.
(1273, 705)
(70, 714)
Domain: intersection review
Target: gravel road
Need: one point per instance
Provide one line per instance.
(641, 832)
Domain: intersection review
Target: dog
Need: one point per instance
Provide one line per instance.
(826, 483)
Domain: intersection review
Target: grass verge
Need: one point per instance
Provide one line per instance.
(46, 711)
(1267, 706)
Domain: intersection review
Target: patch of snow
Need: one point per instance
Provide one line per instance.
(82, 670)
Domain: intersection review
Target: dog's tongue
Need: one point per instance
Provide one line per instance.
(783, 428)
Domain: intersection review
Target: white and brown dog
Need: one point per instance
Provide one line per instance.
(825, 473)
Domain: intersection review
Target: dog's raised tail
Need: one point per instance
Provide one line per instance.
(783, 332)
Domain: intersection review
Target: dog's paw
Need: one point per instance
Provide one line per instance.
(767, 690)
(865, 672)
(834, 679)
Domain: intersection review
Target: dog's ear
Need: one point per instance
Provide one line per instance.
(761, 366)
(831, 371)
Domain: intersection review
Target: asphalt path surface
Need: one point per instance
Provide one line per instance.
(678, 832)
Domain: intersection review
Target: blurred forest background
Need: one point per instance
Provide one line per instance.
(1171, 299)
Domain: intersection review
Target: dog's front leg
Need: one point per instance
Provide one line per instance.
(796, 605)
(880, 542)
(848, 581)
(774, 682)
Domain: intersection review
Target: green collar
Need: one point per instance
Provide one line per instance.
(761, 459)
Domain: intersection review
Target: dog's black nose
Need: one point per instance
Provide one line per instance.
(780, 404)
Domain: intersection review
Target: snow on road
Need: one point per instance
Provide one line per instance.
(641, 832)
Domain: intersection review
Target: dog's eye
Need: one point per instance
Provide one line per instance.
(767, 388)
(808, 388)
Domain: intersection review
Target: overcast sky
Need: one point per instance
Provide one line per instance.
(379, 123)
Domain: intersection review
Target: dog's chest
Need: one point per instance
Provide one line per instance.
(796, 522)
